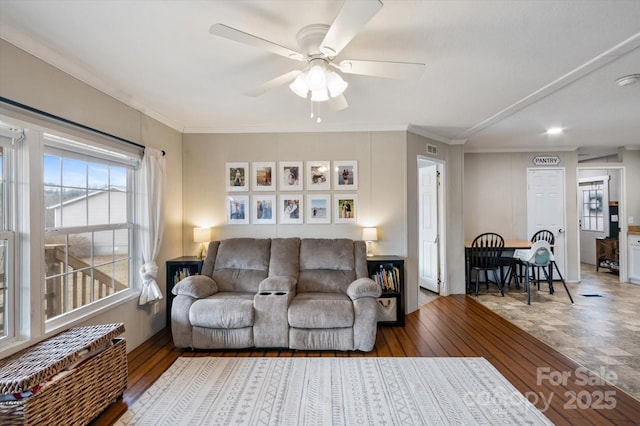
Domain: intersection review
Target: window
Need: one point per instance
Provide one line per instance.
(7, 247)
(594, 197)
(592, 218)
(67, 220)
(88, 216)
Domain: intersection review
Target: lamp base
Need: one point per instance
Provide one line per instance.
(202, 252)
(369, 249)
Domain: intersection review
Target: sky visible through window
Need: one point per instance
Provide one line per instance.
(82, 174)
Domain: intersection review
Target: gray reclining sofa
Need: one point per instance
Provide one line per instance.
(311, 294)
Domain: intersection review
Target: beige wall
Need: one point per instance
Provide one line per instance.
(381, 182)
(30, 81)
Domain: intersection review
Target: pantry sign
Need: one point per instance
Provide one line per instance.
(546, 160)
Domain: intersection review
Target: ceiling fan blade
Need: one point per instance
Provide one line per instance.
(397, 70)
(225, 31)
(338, 103)
(353, 16)
(275, 82)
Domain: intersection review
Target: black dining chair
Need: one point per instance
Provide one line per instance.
(484, 256)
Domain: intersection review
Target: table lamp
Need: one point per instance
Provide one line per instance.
(202, 236)
(369, 235)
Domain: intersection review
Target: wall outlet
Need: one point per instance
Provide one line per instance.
(630, 220)
(155, 308)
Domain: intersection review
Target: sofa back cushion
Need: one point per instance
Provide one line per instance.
(326, 265)
(241, 264)
(285, 257)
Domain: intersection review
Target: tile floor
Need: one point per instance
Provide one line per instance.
(600, 333)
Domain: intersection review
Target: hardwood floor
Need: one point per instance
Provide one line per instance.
(451, 326)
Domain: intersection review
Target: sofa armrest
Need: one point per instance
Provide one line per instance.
(278, 283)
(363, 287)
(197, 286)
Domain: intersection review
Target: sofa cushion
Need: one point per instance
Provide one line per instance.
(223, 310)
(326, 265)
(285, 257)
(318, 253)
(325, 280)
(321, 310)
(241, 264)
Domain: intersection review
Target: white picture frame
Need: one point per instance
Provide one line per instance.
(263, 175)
(291, 209)
(237, 209)
(345, 175)
(237, 176)
(291, 175)
(318, 175)
(318, 208)
(345, 208)
(263, 209)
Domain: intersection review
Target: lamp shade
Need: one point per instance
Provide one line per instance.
(370, 234)
(202, 235)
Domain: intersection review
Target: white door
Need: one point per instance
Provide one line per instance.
(546, 207)
(428, 276)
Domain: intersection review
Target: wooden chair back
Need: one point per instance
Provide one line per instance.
(486, 250)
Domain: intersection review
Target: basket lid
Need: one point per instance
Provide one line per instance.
(24, 370)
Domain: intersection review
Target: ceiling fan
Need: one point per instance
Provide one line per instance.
(319, 45)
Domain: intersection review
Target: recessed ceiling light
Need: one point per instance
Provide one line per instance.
(628, 80)
(554, 130)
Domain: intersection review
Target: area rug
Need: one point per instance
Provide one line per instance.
(332, 391)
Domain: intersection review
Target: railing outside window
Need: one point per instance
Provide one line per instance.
(88, 228)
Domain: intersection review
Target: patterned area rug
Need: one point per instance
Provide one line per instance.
(332, 391)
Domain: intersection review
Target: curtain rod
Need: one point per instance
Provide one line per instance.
(66, 121)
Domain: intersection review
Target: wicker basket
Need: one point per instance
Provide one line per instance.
(76, 396)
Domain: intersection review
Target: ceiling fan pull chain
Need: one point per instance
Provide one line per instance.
(314, 111)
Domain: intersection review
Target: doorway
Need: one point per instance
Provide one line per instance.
(431, 220)
(601, 219)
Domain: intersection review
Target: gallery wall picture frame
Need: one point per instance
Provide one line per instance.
(291, 175)
(318, 208)
(237, 209)
(345, 208)
(264, 175)
(290, 209)
(237, 176)
(263, 209)
(318, 175)
(345, 175)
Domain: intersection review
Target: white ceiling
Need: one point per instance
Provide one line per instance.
(497, 72)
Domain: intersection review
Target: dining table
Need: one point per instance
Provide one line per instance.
(512, 246)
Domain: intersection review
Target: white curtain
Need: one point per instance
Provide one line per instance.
(153, 183)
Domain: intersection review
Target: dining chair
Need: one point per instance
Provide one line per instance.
(484, 256)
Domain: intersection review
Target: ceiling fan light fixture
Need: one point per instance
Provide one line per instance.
(299, 86)
(319, 95)
(316, 77)
(335, 84)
